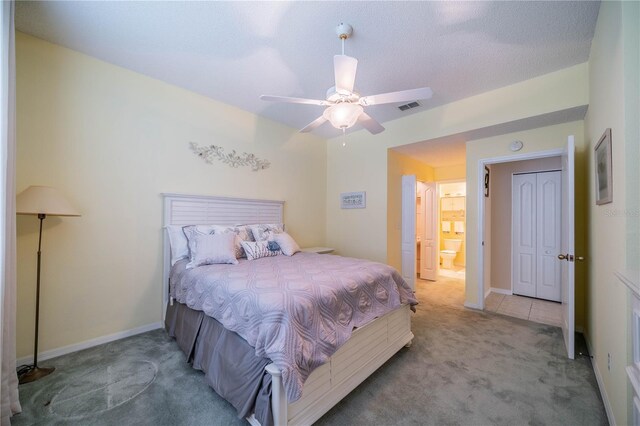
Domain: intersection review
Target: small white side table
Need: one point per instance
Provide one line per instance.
(319, 250)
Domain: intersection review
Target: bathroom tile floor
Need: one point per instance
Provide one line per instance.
(457, 272)
(536, 310)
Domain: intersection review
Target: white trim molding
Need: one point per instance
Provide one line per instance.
(631, 279)
(475, 306)
(53, 353)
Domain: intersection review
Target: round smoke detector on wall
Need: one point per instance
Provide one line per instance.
(516, 146)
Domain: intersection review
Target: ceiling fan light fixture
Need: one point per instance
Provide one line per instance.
(343, 115)
(344, 107)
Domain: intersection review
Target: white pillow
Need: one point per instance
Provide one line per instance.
(264, 231)
(190, 232)
(178, 243)
(287, 244)
(258, 249)
(209, 249)
(243, 234)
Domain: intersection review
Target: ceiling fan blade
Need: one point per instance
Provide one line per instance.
(315, 123)
(290, 100)
(370, 124)
(345, 73)
(402, 96)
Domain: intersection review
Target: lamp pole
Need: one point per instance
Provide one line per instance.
(32, 373)
(42, 201)
(35, 350)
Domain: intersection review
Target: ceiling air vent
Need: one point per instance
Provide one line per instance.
(408, 106)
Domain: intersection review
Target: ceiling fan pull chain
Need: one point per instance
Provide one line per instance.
(344, 137)
(342, 39)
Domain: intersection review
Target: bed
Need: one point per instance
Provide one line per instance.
(371, 344)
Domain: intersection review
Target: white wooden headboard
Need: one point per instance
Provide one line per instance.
(184, 209)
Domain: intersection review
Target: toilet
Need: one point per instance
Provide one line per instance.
(451, 249)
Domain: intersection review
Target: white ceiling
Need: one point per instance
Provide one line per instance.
(236, 51)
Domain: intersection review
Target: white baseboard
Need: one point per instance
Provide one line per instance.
(501, 291)
(52, 353)
(472, 306)
(603, 391)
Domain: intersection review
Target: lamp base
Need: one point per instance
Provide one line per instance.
(34, 373)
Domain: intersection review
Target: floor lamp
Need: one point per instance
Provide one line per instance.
(42, 201)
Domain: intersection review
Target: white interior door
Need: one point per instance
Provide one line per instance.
(523, 246)
(549, 216)
(566, 257)
(408, 244)
(429, 244)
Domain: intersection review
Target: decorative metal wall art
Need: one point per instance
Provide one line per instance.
(211, 152)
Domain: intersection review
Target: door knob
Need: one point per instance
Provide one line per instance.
(580, 258)
(563, 257)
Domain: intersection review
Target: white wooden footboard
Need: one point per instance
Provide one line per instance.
(368, 348)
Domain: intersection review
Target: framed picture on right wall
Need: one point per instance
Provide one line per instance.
(604, 173)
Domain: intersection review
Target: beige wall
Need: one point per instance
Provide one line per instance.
(613, 87)
(399, 165)
(112, 141)
(500, 195)
(535, 140)
(362, 164)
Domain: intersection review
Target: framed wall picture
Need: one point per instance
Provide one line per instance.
(353, 200)
(487, 176)
(604, 172)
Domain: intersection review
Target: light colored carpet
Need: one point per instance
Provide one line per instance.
(464, 368)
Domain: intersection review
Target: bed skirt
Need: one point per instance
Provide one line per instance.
(230, 365)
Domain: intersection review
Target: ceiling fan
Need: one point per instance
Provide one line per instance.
(344, 106)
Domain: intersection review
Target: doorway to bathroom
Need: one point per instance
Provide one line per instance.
(451, 226)
(440, 230)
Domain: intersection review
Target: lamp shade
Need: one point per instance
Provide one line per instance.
(44, 200)
(343, 115)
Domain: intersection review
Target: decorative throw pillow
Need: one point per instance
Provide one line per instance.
(243, 234)
(209, 249)
(191, 231)
(264, 231)
(287, 244)
(258, 249)
(178, 240)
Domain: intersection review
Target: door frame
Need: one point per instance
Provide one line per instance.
(438, 197)
(556, 152)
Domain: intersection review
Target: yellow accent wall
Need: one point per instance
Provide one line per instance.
(613, 239)
(113, 140)
(399, 165)
(450, 172)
